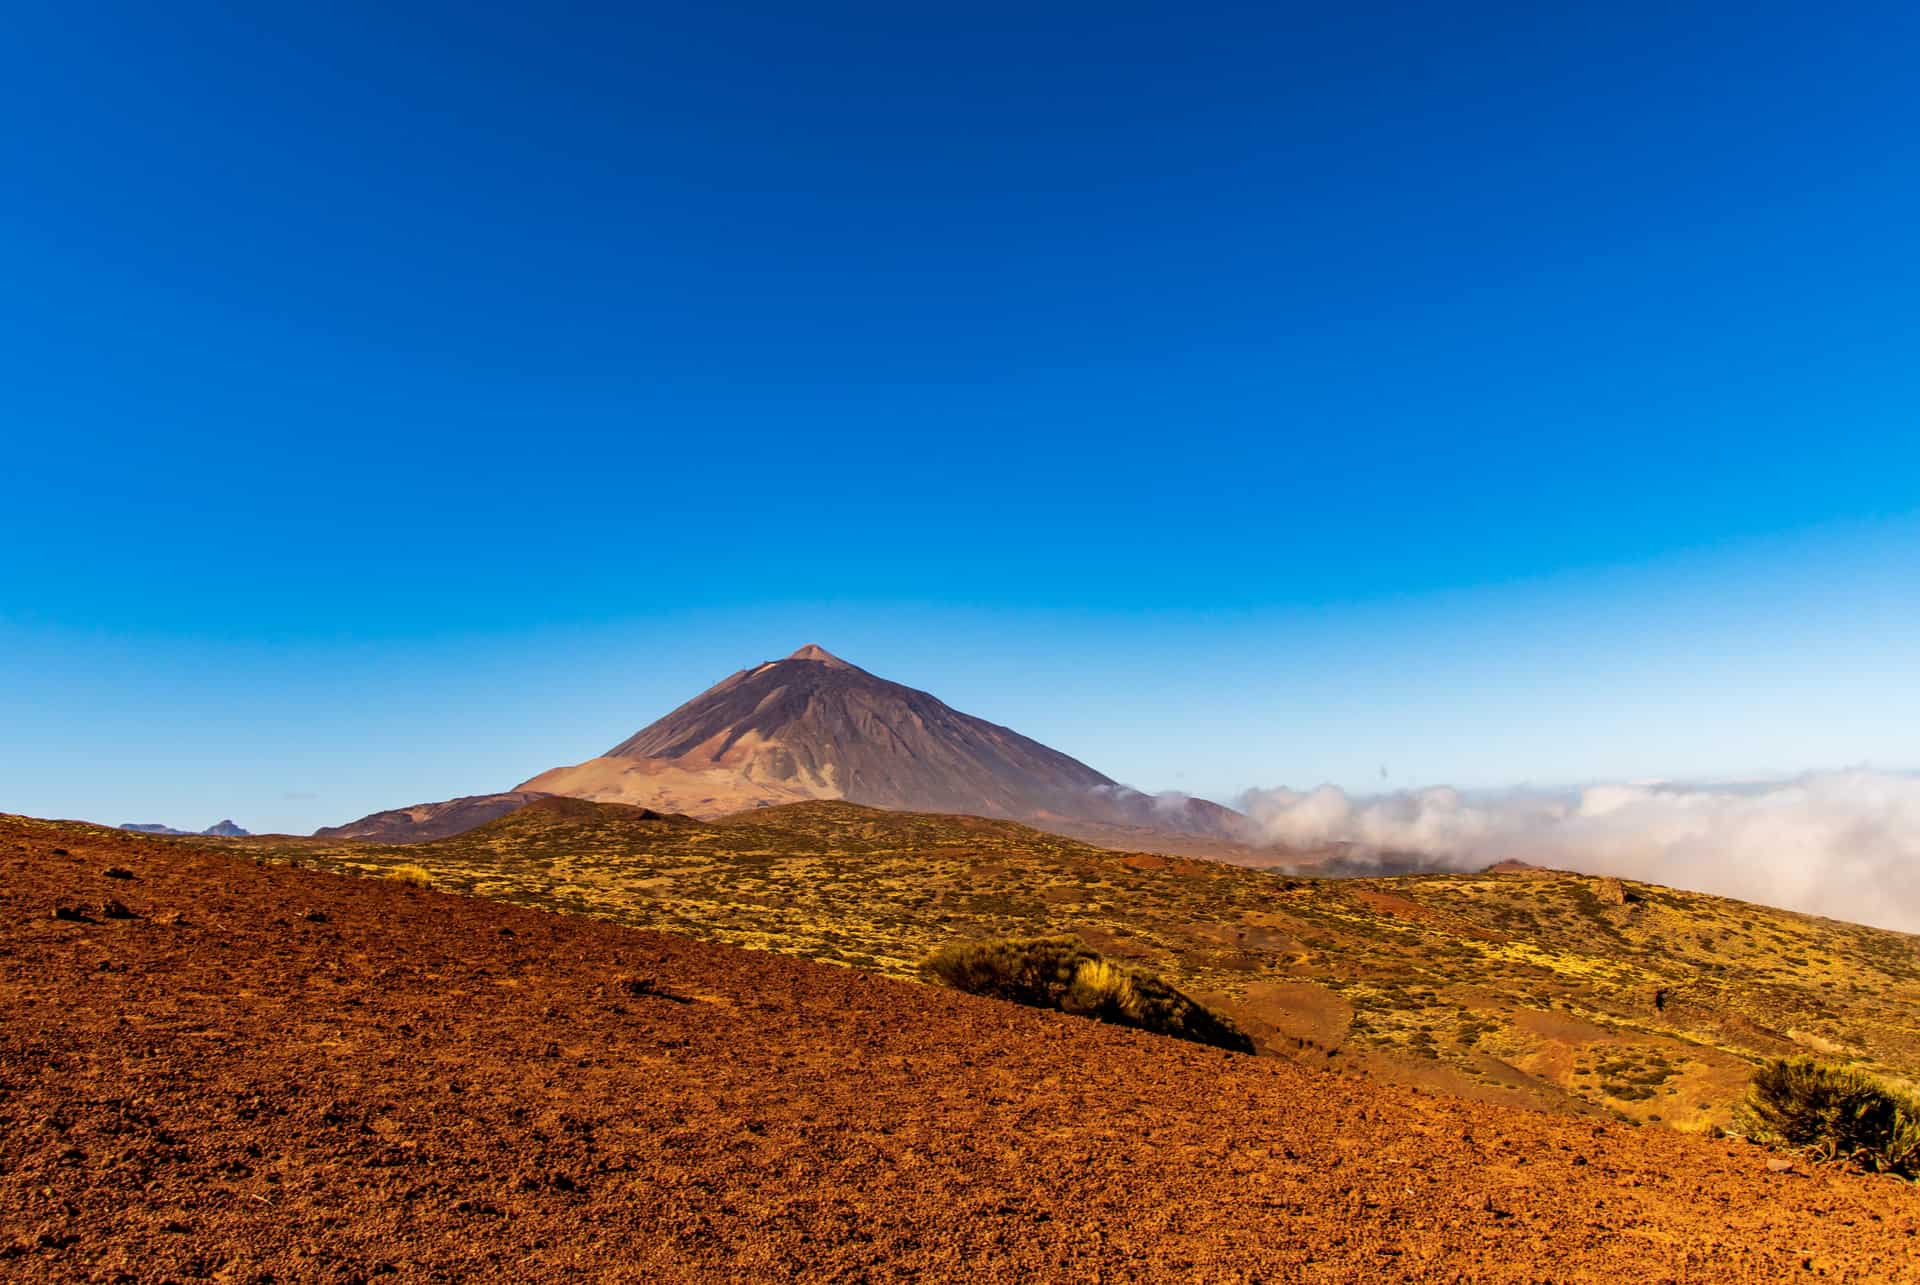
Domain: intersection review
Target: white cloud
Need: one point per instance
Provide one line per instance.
(1842, 844)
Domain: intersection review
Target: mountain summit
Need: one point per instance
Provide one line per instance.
(814, 726)
(814, 651)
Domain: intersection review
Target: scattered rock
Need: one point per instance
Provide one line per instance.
(1611, 891)
(1779, 1164)
(648, 988)
(72, 914)
(118, 872)
(116, 910)
(315, 916)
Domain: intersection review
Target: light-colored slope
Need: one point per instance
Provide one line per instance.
(666, 786)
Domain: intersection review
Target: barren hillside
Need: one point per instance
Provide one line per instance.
(278, 1073)
(1538, 987)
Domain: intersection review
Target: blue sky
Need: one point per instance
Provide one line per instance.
(403, 399)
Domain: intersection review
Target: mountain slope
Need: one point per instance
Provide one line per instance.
(1542, 987)
(426, 821)
(814, 726)
(281, 1074)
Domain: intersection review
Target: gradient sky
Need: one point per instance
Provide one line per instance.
(400, 400)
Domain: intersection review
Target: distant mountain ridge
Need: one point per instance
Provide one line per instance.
(812, 726)
(225, 829)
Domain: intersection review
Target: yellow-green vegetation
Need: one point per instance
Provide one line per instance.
(1061, 973)
(414, 876)
(1543, 988)
(1834, 1113)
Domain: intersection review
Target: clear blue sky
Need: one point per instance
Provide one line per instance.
(402, 399)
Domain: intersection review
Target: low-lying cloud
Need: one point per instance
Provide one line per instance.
(1842, 844)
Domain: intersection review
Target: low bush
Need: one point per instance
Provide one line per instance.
(411, 875)
(1061, 973)
(1834, 1113)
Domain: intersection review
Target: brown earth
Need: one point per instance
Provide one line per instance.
(280, 1074)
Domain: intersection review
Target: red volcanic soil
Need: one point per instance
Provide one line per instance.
(274, 1074)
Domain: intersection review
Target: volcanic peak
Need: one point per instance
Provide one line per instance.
(814, 651)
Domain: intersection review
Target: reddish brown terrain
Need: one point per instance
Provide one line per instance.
(274, 1074)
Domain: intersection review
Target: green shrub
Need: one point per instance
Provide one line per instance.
(1833, 1112)
(1061, 973)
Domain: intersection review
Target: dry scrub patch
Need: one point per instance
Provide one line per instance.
(1834, 1113)
(1061, 973)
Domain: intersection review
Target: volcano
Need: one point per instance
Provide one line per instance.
(813, 726)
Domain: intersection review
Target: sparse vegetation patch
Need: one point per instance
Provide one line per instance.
(1061, 973)
(1834, 1112)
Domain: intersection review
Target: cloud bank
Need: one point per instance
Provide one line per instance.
(1841, 844)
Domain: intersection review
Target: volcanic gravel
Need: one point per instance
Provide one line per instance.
(273, 1074)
